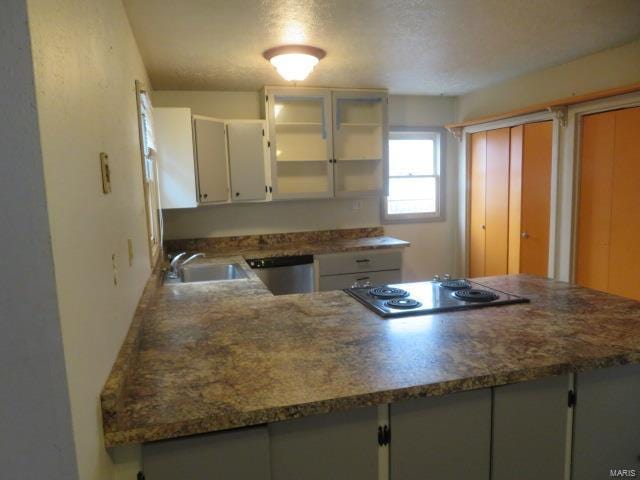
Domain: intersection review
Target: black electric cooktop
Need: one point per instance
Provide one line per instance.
(430, 297)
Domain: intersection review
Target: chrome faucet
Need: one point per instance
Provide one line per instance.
(191, 258)
(176, 265)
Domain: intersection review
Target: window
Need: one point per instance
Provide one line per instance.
(149, 172)
(415, 171)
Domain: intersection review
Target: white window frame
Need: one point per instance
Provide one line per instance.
(439, 136)
(149, 182)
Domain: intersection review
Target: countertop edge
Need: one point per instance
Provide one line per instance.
(288, 412)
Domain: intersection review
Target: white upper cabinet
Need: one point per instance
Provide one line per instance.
(211, 159)
(360, 142)
(301, 145)
(247, 146)
(176, 164)
(325, 142)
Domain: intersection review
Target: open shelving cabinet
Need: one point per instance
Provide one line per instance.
(326, 143)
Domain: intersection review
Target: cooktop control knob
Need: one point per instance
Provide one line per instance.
(436, 278)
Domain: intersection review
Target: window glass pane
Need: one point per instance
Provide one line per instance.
(411, 157)
(412, 195)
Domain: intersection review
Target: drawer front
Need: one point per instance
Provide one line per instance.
(353, 262)
(339, 282)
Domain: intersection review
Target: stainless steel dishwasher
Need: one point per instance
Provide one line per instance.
(284, 275)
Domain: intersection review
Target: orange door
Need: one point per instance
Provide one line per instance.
(515, 199)
(536, 198)
(624, 254)
(594, 207)
(497, 202)
(477, 184)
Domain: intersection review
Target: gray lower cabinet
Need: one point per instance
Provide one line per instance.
(336, 446)
(447, 437)
(530, 429)
(339, 282)
(607, 423)
(241, 454)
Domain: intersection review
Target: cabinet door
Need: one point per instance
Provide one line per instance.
(497, 202)
(536, 198)
(443, 438)
(241, 454)
(607, 422)
(477, 181)
(301, 145)
(176, 164)
(211, 158)
(246, 160)
(336, 446)
(530, 427)
(360, 142)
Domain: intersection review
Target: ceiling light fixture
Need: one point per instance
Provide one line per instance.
(294, 62)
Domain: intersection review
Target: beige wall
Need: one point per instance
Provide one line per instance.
(433, 249)
(86, 61)
(607, 69)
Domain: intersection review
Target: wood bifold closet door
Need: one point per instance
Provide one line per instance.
(510, 194)
(608, 251)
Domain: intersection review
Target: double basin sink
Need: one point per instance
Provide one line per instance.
(204, 272)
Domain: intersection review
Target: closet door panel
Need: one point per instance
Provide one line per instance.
(515, 199)
(594, 207)
(536, 198)
(497, 202)
(477, 204)
(624, 255)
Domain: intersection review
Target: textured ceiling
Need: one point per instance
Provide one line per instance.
(409, 46)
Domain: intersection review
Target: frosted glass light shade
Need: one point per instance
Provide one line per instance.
(294, 66)
(294, 62)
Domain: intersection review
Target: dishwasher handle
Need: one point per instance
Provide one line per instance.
(272, 262)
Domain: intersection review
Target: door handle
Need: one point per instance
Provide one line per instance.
(484, 227)
(524, 235)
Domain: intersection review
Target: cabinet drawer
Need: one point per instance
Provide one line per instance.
(339, 282)
(353, 262)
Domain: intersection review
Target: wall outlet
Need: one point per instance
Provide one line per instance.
(106, 173)
(130, 250)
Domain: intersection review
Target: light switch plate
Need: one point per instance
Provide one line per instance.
(106, 173)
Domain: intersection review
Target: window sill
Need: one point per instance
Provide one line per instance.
(397, 219)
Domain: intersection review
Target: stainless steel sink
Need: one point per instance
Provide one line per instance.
(212, 272)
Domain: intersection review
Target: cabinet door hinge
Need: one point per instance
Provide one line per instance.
(571, 399)
(266, 98)
(384, 435)
(263, 132)
(268, 144)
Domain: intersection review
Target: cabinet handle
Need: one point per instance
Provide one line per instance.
(205, 195)
(363, 260)
(237, 194)
(361, 279)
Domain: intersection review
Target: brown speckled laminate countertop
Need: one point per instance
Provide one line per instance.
(213, 357)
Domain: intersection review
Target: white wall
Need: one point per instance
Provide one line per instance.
(610, 68)
(86, 61)
(36, 440)
(432, 251)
